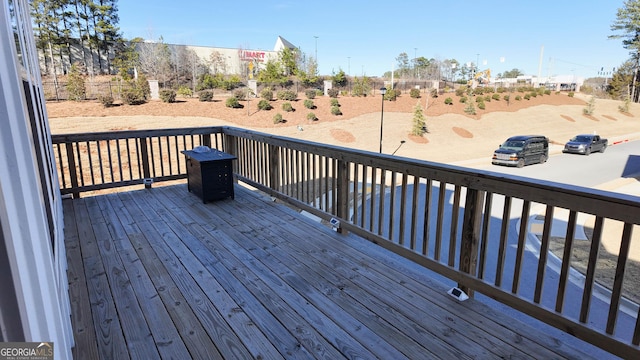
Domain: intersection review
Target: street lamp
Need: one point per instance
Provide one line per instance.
(382, 91)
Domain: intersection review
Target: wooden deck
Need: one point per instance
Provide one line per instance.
(158, 274)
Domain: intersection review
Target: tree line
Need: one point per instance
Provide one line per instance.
(59, 25)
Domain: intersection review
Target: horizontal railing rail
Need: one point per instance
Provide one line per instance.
(473, 227)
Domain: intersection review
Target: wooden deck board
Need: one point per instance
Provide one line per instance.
(158, 274)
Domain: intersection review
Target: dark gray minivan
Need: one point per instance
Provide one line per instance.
(522, 150)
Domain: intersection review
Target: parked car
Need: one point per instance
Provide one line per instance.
(522, 150)
(585, 144)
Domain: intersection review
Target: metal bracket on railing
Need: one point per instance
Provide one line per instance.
(147, 183)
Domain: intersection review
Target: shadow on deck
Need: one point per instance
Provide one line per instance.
(158, 274)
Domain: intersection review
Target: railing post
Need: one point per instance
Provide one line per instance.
(206, 140)
(229, 146)
(274, 168)
(471, 225)
(342, 210)
(71, 160)
(144, 153)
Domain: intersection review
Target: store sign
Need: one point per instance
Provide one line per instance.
(249, 55)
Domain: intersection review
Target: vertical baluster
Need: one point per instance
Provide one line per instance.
(486, 224)
(616, 292)
(566, 260)
(381, 204)
(591, 269)
(504, 235)
(455, 214)
(403, 208)
(392, 205)
(426, 227)
(372, 204)
(439, 222)
(544, 250)
(414, 212)
(522, 240)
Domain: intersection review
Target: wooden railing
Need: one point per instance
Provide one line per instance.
(472, 227)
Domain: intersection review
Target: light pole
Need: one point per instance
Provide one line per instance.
(316, 50)
(415, 51)
(382, 91)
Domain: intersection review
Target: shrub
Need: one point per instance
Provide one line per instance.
(495, 97)
(463, 99)
(288, 95)
(142, 85)
(205, 95)
(319, 92)
(75, 84)
(625, 107)
(448, 101)
(414, 93)
(232, 102)
(591, 106)
(419, 121)
(527, 96)
(333, 93)
(518, 98)
(277, 118)
(547, 92)
(287, 107)
(168, 95)
(132, 97)
(506, 98)
(487, 98)
(266, 94)
(106, 100)
(434, 93)
(311, 116)
(185, 91)
(460, 91)
(479, 99)
(391, 94)
(310, 94)
(534, 94)
(335, 110)
(571, 93)
(264, 105)
(309, 104)
(240, 95)
(478, 91)
(481, 106)
(334, 102)
(501, 89)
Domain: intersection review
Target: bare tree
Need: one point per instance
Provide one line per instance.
(155, 60)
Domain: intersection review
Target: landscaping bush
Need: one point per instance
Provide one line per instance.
(335, 110)
(240, 95)
(334, 102)
(205, 95)
(288, 95)
(479, 99)
(434, 93)
(463, 99)
(506, 98)
(75, 84)
(333, 93)
(391, 94)
(168, 95)
(131, 97)
(319, 92)
(518, 98)
(571, 93)
(185, 91)
(534, 94)
(487, 98)
(311, 116)
(478, 91)
(481, 106)
(105, 100)
(460, 91)
(448, 101)
(232, 102)
(501, 89)
(277, 118)
(266, 94)
(414, 93)
(309, 104)
(264, 105)
(527, 96)
(287, 107)
(310, 94)
(547, 92)
(495, 97)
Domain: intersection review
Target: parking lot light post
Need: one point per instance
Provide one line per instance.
(382, 91)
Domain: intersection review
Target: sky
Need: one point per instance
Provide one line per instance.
(364, 37)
